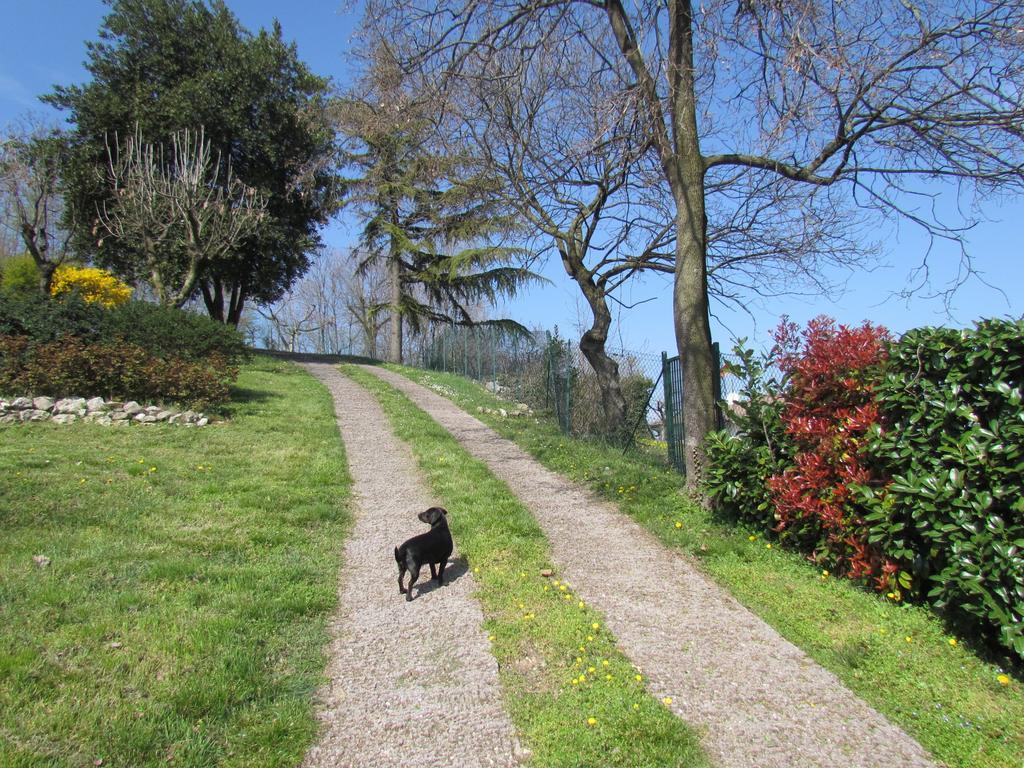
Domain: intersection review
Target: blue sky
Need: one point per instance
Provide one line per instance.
(45, 45)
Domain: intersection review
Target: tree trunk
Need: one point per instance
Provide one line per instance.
(395, 274)
(46, 270)
(237, 303)
(214, 300)
(607, 371)
(592, 345)
(690, 294)
(693, 340)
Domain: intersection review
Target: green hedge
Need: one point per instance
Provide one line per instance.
(953, 444)
(951, 450)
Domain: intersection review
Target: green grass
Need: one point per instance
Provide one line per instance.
(898, 658)
(544, 639)
(181, 620)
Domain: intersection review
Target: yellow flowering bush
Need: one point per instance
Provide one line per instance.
(92, 284)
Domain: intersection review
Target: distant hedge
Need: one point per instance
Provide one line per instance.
(67, 346)
(913, 487)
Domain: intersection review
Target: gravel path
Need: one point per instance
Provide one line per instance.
(411, 684)
(759, 701)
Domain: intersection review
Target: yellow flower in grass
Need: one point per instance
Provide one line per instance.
(952, 642)
(639, 678)
(595, 625)
(667, 700)
(1003, 679)
(591, 721)
(678, 524)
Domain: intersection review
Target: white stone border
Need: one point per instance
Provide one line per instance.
(95, 410)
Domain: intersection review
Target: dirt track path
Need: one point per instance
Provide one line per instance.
(760, 701)
(412, 684)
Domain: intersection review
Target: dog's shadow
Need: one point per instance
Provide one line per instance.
(456, 569)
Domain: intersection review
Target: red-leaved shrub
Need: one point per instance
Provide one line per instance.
(828, 409)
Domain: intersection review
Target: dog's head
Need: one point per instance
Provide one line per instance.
(433, 516)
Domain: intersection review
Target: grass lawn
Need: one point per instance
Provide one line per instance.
(181, 619)
(897, 658)
(575, 699)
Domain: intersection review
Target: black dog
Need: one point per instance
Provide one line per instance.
(433, 547)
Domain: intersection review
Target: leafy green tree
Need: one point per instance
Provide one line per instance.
(164, 66)
(430, 220)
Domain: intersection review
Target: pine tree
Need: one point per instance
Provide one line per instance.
(434, 223)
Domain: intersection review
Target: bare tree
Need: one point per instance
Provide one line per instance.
(31, 165)
(178, 207)
(855, 102)
(333, 309)
(556, 128)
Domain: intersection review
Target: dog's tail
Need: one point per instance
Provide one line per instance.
(398, 557)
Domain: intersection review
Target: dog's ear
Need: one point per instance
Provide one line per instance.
(443, 511)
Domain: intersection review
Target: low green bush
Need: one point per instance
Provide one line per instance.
(952, 441)
(741, 459)
(40, 318)
(164, 331)
(120, 370)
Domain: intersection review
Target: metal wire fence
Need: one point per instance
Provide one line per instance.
(549, 373)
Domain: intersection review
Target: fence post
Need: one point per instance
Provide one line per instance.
(716, 352)
(548, 383)
(568, 399)
(667, 426)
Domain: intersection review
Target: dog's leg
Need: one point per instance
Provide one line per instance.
(401, 573)
(433, 571)
(440, 573)
(414, 573)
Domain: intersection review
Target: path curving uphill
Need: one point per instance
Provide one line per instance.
(759, 700)
(411, 684)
